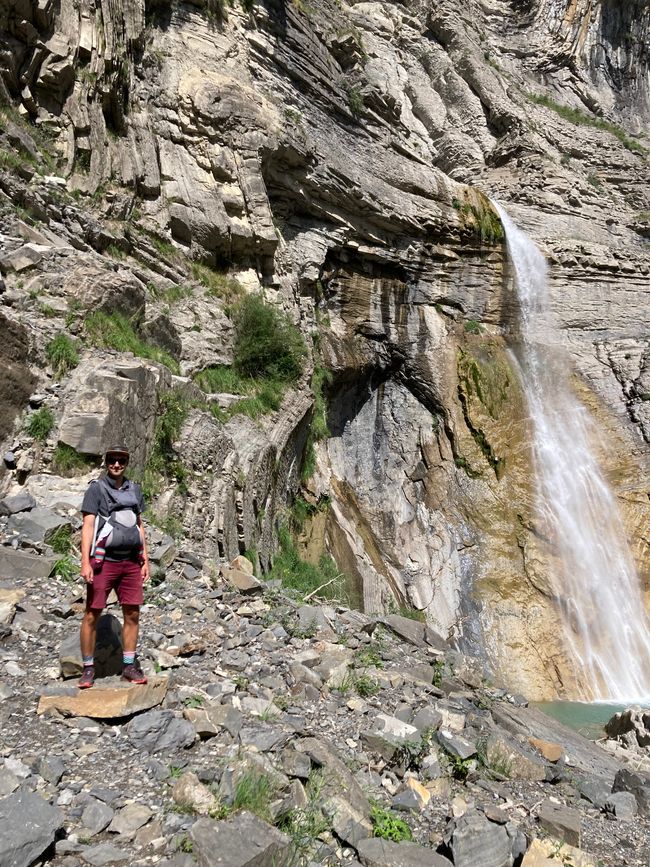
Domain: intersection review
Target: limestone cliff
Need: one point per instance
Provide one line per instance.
(338, 157)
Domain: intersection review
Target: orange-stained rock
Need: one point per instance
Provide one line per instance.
(551, 752)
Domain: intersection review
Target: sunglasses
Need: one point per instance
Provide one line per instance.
(114, 459)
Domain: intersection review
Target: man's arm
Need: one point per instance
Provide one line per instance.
(145, 553)
(87, 533)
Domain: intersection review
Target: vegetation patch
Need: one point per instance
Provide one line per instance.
(60, 541)
(62, 354)
(255, 792)
(67, 461)
(267, 344)
(303, 577)
(218, 283)
(318, 429)
(259, 396)
(486, 377)
(116, 331)
(581, 118)
(40, 423)
(171, 294)
(388, 826)
(163, 462)
(268, 355)
(482, 219)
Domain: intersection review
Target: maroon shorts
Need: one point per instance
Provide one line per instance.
(123, 576)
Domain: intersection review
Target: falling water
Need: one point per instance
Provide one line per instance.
(597, 586)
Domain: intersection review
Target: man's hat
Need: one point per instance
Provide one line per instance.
(117, 450)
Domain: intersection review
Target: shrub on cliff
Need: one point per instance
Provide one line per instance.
(267, 344)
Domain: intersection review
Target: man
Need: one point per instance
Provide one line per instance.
(113, 556)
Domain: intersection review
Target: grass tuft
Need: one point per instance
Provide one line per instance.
(116, 331)
(66, 461)
(581, 118)
(40, 423)
(298, 575)
(62, 354)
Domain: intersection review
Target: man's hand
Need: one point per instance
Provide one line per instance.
(145, 572)
(87, 573)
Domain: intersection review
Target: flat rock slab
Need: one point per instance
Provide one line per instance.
(27, 828)
(560, 821)
(410, 630)
(384, 853)
(105, 854)
(243, 841)
(544, 853)
(22, 564)
(109, 700)
(582, 754)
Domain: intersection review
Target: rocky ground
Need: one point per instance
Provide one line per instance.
(276, 730)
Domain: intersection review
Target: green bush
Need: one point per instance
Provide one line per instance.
(259, 396)
(388, 826)
(473, 327)
(62, 354)
(267, 344)
(40, 423)
(116, 331)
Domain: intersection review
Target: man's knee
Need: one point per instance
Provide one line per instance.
(131, 613)
(91, 616)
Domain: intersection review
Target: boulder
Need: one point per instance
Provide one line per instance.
(543, 853)
(560, 821)
(622, 805)
(510, 760)
(9, 598)
(410, 630)
(551, 752)
(28, 826)
(14, 503)
(160, 730)
(21, 564)
(109, 400)
(191, 793)
(341, 797)
(375, 852)
(243, 581)
(634, 721)
(637, 782)
(106, 290)
(127, 820)
(242, 841)
(96, 816)
(37, 525)
(474, 840)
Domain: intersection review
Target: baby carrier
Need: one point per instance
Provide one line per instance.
(117, 535)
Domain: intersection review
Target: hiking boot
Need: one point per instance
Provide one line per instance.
(133, 673)
(87, 678)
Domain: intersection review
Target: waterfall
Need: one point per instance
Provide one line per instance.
(596, 584)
